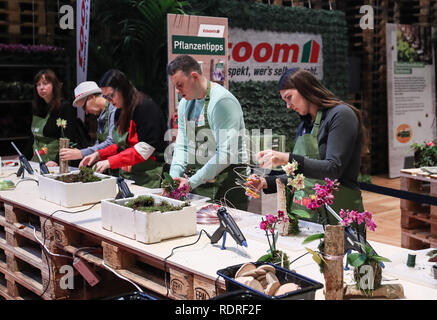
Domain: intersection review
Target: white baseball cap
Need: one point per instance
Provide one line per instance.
(85, 89)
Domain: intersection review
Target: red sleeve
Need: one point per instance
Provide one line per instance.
(128, 157)
(108, 151)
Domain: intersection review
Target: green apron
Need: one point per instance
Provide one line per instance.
(102, 136)
(217, 188)
(50, 146)
(345, 198)
(147, 173)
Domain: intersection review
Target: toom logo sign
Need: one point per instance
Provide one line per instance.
(264, 56)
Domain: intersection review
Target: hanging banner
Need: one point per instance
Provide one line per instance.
(410, 91)
(82, 38)
(266, 55)
(203, 38)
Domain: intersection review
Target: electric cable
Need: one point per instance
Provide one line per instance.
(26, 179)
(43, 234)
(172, 251)
(122, 277)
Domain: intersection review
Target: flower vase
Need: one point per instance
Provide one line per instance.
(368, 281)
(63, 164)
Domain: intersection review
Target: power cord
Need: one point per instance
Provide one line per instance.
(172, 251)
(26, 179)
(43, 233)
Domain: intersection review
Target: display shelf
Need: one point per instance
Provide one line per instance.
(418, 220)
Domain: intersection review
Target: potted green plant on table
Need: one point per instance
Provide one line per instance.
(425, 154)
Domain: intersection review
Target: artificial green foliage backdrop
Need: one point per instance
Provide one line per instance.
(262, 105)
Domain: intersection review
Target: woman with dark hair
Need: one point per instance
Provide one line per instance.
(140, 125)
(329, 141)
(48, 106)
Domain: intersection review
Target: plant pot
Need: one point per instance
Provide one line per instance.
(368, 281)
(148, 227)
(78, 193)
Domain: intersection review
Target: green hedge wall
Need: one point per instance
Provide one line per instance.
(261, 102)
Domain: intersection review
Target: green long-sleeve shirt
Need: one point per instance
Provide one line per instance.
(225, 117)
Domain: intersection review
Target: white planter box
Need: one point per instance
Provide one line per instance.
(194, 199)
(76, 194)
(148, 227)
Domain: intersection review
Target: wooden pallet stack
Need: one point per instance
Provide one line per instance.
(26, 273)
(418, 220)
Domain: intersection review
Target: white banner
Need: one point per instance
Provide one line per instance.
(410, 91)
(82, 34)
(265, 55)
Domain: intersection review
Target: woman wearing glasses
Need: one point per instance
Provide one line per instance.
(48, 106)
(89, 97)
(138, 137)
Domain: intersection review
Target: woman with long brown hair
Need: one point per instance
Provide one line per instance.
(48, 106)
(329, 139)
(138, 135)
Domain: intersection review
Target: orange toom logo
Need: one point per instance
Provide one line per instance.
(265, 51)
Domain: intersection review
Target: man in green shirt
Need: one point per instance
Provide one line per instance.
(211, 135)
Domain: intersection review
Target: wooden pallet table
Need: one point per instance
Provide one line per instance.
(418, 220)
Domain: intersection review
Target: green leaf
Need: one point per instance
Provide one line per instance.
(356, 259)
(316, 256)
(313, 237)
(265, 258)
(170, 180)
(379, 258)
(301, 213)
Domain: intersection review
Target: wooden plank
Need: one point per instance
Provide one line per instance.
(205, 289)
(181, 284)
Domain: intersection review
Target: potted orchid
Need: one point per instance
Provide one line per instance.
(269, 226)
(353, 219)
(295, 184)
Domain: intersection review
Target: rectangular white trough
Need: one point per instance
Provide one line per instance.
(77, 193)
(148, 227)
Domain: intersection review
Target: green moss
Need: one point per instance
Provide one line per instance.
(86, 174)
(147, 204)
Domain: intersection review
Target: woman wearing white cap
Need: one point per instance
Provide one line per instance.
(48, 106)
(138, 137)
(89, 97)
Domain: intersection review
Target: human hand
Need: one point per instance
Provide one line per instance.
(90, 160)
(270, 158)
(254, 184)
(102, 166)
(183, 182)
(70, 154)
(51, 164)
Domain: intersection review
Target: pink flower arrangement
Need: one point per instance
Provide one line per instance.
(324, 195)
(269, 225)
(354, 216)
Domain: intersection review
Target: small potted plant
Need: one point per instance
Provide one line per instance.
(269, 225)
(172, 190)
(425, 154)
(368, 271)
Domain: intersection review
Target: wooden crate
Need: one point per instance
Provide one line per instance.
(418, 221)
